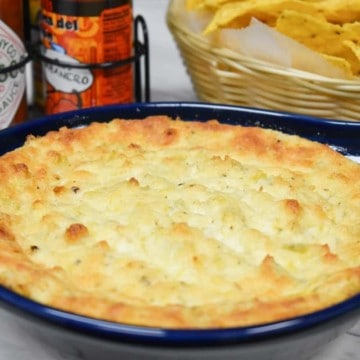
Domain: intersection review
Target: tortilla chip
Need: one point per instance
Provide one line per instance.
(340, 63)
(238, 14)
(215, 4)
(192, 5)
(340, 11)
(354, 47)
(320, 35)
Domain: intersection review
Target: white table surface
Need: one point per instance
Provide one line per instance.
(169, 82)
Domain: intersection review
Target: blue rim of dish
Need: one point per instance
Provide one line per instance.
(18, 304)
(344, 134)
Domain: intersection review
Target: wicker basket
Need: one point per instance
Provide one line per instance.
(221, 75)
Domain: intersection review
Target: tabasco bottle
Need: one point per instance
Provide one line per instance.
(77, 32)
(13, 105)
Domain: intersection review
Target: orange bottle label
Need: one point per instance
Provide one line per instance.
(73, 40)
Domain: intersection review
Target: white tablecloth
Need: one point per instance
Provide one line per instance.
(169, 82)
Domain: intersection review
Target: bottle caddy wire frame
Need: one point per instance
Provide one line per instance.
(140, 59)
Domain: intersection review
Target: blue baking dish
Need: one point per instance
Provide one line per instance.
(78, 337)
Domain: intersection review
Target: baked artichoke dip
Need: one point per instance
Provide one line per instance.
(179, 224)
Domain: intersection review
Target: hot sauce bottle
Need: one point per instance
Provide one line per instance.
(77, 32)
(13, 105)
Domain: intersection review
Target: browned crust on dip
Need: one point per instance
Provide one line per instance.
(176, 224)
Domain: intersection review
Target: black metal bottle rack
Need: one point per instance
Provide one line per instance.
(18, 65)
(140, 59)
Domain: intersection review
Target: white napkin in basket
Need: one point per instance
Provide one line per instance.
(260, 41)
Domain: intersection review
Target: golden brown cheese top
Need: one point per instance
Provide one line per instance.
(179, 224)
